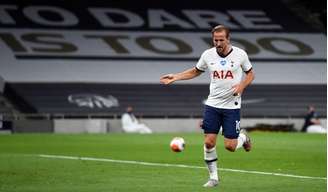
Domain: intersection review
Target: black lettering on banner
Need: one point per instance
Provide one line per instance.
(250, 48)
(106, 17)
(160, 18)
(113, 42)
(208, 41)
(206, 19)
(6, 18)
(125, 46)
(253, 19)
(267, 43)
(12, 42)
(34, 13)
(146, 43)
(48, 39)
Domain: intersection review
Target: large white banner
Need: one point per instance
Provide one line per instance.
(141, 57)
(54, 42)
(27, 44)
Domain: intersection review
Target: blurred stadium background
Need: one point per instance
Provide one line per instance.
(75, 67)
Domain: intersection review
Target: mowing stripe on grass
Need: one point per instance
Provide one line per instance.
(174, 165)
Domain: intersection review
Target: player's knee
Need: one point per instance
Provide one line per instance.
(230, 144)
(209, 144)
(230, 147)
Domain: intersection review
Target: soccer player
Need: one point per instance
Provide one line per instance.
(226, 64)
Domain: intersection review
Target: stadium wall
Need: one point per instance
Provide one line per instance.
(81, 126)
(191, 125)
(32, 126)
(161, 125)
(114, 125)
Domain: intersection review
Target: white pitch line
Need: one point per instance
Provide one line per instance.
(174, 165)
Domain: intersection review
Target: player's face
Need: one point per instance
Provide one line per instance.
(221, 42)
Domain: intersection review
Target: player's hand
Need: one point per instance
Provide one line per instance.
(237, 89)
(167, 79)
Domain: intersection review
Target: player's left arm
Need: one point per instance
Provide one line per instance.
(249, 77)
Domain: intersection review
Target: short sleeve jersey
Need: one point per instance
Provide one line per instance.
(224, 73)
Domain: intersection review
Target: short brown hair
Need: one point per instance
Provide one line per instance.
(220, 28)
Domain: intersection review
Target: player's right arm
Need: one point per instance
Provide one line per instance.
(185, 75)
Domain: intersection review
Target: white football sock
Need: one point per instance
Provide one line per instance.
(211, 158)
(241, 140)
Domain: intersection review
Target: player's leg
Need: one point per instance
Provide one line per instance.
(211, 158)
(243, 140)
(233, 137)
(211, 127)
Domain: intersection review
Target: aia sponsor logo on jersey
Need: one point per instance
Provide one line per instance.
(222, 74)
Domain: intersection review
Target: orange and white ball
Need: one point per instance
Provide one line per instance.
(177, 144)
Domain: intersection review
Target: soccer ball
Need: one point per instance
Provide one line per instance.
(177, 144)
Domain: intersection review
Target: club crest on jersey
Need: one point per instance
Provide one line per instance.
(223, 62)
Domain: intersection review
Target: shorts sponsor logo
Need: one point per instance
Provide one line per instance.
(237, 126)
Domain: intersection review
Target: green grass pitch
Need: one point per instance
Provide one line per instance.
(295, 154)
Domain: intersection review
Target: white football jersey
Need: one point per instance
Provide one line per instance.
(225, 72)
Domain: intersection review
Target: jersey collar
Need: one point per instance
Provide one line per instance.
(223, 56)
